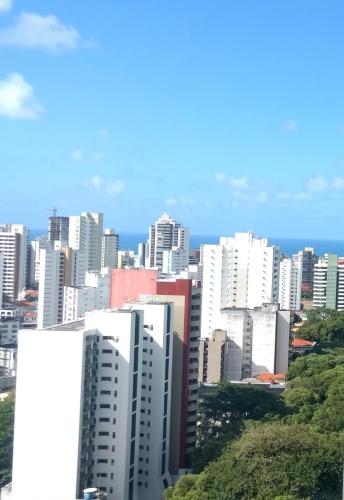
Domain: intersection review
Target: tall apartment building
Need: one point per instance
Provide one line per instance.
(328, 288)
(75, 266)
(51, 283)
(13, 238)
(129, 284)
(173, 261)
(110, 247)
(241, 271)
(112, 399)
(290, 281)
(58, 229)
(167, 234)
(143, 254)
(309, 259)
(85, 233)
(59, 266)
(250, 342)
(77, 300)
(36, 246)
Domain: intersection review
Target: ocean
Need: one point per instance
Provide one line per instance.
(289, 246)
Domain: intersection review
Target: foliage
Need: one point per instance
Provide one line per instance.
(222, 414)
(312, 364)
(6, 439)
(270, 461)
(324, 326)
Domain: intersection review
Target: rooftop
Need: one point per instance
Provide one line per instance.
(302, 343)
(74, 326)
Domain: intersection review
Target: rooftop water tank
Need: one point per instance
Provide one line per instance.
(90, 493)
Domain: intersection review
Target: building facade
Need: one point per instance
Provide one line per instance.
(85, 233)
(13, 242)
(110, 247)
(290, 281)
(58, 229)
(116, 392)
(328, 290)
(167, 234)
(51, 283)
(242, 272)
(250, 342)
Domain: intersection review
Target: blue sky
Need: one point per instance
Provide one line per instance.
(227, 114)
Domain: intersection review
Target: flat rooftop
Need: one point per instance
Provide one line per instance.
(72, 326)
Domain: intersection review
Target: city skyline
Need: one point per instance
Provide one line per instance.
(231, 121)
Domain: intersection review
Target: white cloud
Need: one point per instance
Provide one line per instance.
(110, 187)
(293, 196)
(96, 182)
(5, 5)
(76, 155)
(239, 182)
(115, 187)
(220, 178)
(171, 201)
(238, 195)
(290, 126)
(262, 197)
(338, 182)
(35, 31)
(284, 195)
(317, 184)
(301, 196)
(17, 98)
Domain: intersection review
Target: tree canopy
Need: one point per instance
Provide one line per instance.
(222, 414)
(6, 439)
(325, 326)
(270, 460)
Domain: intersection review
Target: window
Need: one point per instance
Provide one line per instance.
(103, 447)
(104, 419)
(105, 393)
(102, 461)
(104, 407)
(106, 365)
(103, 433)
(106, 379)
(107, 351)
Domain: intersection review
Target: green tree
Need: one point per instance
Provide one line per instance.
(6, 439)
(313, 364)
(324, 326)
(270, 461)
(222, 414)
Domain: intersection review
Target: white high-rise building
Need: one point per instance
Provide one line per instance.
(173, 261)
(85, 233)
(290, 282)
(249, 342)
(167, 234)
(1, 277)
(241, 271)
(258, 341)
(36, 246)
(51, 283)
(106, 382)
(94, 295)
(13, 241)
(110, 247)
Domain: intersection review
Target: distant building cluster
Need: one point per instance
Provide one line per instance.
(108, 348)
